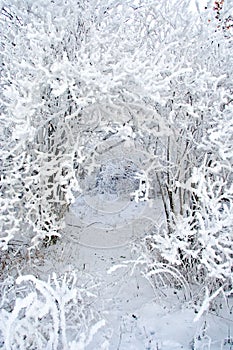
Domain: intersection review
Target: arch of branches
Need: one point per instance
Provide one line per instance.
(106, 149)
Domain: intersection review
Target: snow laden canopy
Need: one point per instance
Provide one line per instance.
(81, 79)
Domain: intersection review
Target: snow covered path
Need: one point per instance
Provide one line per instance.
(137, 317)
(134, 312)
(123, 294)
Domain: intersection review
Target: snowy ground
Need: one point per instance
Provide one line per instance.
(99, 238)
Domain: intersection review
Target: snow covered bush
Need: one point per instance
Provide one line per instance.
(36, 162)
(193, 160)
(36, 314)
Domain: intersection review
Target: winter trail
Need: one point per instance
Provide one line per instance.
(125, 297)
